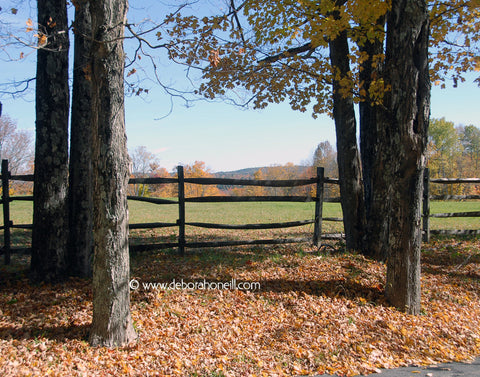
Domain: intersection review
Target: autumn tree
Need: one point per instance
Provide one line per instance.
(50, 220)
(453, 152)
(160, 190)
(275, 58)
(258, 190)
(112, 323)
(445, 150)
(470, 139)
(327, 56)
(199, 170)
(326, 63)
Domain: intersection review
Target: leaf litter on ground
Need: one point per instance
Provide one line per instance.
(313, 314)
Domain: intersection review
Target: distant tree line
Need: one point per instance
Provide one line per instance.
(453, 152)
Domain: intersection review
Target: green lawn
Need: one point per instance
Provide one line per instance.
(241, 213)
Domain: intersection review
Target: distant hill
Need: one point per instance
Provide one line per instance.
(268, 172)
(248, 173)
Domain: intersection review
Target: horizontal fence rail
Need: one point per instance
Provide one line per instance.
(426, 206)
(319, 181)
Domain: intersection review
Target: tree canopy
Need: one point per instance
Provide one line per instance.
(278, 51)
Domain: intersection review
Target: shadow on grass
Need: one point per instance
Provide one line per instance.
(453, 257)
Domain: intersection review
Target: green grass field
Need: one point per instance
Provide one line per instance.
(239, 213)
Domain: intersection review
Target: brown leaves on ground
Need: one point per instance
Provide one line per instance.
(313, 314)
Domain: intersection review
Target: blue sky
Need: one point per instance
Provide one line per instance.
(223, 136)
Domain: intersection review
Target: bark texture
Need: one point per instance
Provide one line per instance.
(398, 169)
(80, 245)
(371, 69)
(112, 323)
(348, 157)
(50, 221)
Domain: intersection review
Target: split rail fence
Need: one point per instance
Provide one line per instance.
(427, 181)
(319, 181)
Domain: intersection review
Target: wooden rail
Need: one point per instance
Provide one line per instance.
(319, 181)
(181, 200)
(426, 206)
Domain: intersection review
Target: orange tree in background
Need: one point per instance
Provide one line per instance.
(197, 170)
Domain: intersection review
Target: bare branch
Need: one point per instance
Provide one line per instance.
(17, 87)
(234, 11)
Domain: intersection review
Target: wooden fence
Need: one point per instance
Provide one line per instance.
(426, 206)
(319, 181)
(317, 218)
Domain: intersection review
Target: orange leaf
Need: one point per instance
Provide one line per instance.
(29, 25)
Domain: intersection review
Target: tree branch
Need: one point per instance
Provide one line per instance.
(234, 11)
(308, 47)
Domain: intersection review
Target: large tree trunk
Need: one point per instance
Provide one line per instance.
(348, 157)
(80, 245)
(398, 169)
(112, 323)
(50, 221)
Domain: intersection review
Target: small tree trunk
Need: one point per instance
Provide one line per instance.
(398, 171)
(348, 157)
(80, 245)
(50, 221)
(112, 323)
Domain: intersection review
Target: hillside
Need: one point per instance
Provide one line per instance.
(267, 171)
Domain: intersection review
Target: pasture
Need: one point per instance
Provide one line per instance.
(239, 213)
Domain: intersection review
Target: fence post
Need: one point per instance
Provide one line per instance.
(6, 211)
(317, 231)
(181, 210)
(426, 205)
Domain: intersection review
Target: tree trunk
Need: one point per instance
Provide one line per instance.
(371, 69)
(80, 245)
(50, 221)
(112, 323)
(398, 169)
(348, 157)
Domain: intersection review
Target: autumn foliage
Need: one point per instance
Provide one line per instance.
(315, 313)
(453, 152)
